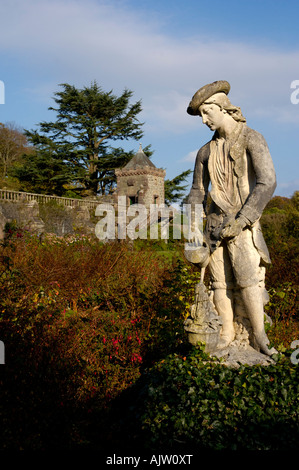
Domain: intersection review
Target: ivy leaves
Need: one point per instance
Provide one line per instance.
(213, 406)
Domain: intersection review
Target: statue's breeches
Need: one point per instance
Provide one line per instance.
(235, 263)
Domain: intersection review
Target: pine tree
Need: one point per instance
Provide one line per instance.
(77, 145)
(174, 189)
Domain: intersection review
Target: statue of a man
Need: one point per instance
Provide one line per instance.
(237, 164)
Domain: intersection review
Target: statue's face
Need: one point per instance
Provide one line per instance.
(212, 116)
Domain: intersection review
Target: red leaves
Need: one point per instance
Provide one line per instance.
(84, 308)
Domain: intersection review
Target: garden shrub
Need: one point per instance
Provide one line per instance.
(280, 227)
(191, 404)
(80, 320)
(283, 310)
(85, 323)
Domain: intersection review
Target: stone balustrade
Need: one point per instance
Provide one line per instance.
(18, 196)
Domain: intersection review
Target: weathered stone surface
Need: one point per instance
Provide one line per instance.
(203, 324)
(234, 356)
(24, 213)
(41, 218)
(3, 221)
(140, 181)
(81, 220)
(236, 169)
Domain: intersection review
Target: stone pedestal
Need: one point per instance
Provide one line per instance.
(234, 356)
(203, 324)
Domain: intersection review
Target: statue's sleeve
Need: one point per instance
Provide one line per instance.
(265, 178)
(199, 189)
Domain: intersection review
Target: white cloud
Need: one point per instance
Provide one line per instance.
(49, 42)
(287, 188)
(77, 41)
(191, 156)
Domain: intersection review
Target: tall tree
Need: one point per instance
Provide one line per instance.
(13, 144)
(175, 189)
(88, 121)
(42, 172)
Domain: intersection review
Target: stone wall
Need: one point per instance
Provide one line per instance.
(62, 216)
(155, 192)
(147, 185)
(50, 217)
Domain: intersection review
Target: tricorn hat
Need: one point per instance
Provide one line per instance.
(221, 86)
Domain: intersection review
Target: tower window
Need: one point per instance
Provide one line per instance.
(133, 200)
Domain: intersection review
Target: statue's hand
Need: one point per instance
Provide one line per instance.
(233, 228)
(197, 252)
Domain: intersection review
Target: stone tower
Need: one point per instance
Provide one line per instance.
(141, 181)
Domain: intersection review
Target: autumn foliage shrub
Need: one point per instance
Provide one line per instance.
(83, 322)
(280, 228)
(81, 318)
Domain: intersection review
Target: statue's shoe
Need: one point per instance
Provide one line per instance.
(263, 344)
(224, 341)
(266, 350)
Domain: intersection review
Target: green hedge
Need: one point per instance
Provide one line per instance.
(191, 403)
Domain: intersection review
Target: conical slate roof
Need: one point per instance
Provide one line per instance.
(140, 160)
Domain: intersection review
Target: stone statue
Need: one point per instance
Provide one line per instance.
(236, 163)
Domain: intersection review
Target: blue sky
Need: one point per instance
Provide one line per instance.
(163, 51)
